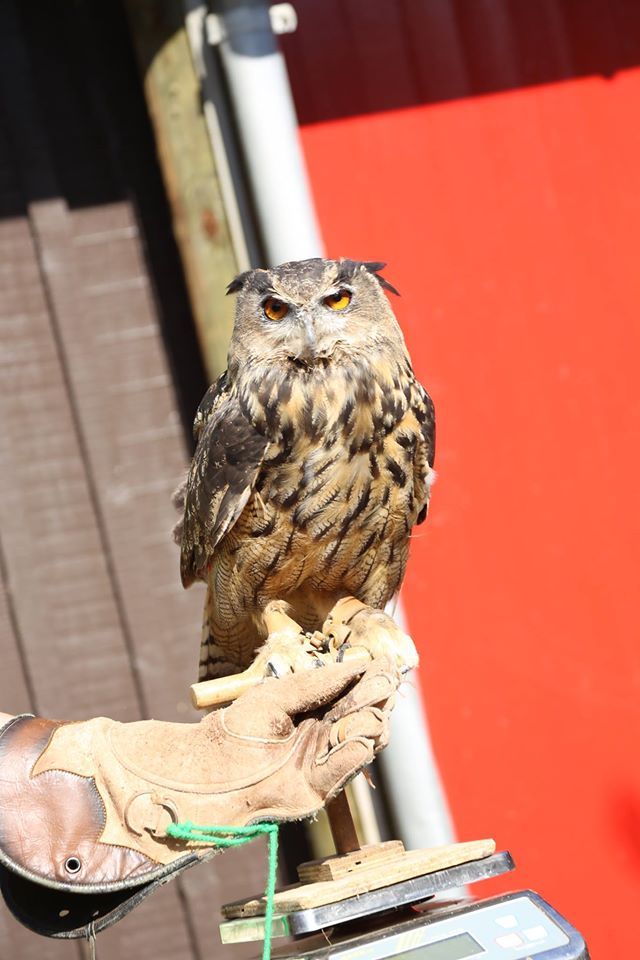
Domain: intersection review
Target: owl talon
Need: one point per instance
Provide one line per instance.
(288, 649)
(342, 651)
(353, 625)
(278, 666)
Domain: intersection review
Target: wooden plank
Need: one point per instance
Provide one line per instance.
(15, 696)
(343, 829)
(331, 868)
(131, 434)
(15, 941)
(62, 594)
(14, 690)
(19, 943)
(173, 97)
(414, 863)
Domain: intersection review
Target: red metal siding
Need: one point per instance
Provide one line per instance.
(490, 151)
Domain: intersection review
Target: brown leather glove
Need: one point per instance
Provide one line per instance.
(84, 806)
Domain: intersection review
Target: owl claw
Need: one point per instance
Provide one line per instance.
(288, 649)
(278, 666)
(342, 651)
(352, 624)
(351, 629)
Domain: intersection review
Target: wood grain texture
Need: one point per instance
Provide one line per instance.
(14, 689)
(332, 868)
(414, 863)
(61, 589)
(15, 941)
(191, 180)
(343, 829)
(132, 436)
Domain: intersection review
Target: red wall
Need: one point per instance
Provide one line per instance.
(511, 224)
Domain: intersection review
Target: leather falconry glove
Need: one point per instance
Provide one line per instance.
(84, 806)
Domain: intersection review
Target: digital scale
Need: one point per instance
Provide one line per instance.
(403, 921)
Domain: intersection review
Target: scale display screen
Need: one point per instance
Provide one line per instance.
(453, 948)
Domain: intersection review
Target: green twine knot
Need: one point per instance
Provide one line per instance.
(235, 837)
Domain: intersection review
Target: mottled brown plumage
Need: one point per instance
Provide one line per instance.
(313, 460)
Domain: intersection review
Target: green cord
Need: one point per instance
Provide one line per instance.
(235, 837)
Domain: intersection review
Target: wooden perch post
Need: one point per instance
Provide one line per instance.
(343, 829)
(172, 91)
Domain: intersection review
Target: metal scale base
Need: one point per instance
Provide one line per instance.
(383, 900)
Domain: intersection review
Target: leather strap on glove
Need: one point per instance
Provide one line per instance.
(84, 806)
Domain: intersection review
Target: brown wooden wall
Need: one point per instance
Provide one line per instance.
(99, 372)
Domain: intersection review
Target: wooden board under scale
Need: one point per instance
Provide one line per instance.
(413, 863)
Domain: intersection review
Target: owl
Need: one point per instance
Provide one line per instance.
(314, 457)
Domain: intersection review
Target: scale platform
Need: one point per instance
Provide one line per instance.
(393, 897)
(403, 921)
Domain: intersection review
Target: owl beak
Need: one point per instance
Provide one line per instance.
(309, 341)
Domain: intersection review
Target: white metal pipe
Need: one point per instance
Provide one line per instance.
(267, 125)
(410, 771)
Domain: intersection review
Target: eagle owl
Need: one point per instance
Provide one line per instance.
(314, 456)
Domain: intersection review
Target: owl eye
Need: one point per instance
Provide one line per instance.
(339, 300)
(275, 309)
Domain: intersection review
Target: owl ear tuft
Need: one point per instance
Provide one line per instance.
(238, 282)
(374, 268)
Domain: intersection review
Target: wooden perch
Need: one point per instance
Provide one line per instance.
(214, 693)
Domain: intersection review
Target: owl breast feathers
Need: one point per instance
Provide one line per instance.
(314, 456)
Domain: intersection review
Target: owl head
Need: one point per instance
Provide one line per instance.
(306, 311)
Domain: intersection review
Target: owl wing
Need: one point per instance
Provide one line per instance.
(425, 413)
(223, 472)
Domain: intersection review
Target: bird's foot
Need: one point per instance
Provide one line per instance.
(352, 630)
(352, 625)
(288, 648)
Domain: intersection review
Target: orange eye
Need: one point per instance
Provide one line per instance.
(275, 309)
(339, 300)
